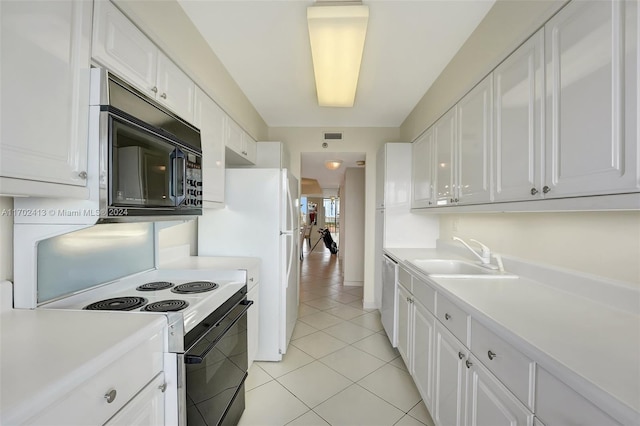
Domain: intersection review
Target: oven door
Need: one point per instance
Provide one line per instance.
(216, 368)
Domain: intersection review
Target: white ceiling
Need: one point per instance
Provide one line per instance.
(264, 44)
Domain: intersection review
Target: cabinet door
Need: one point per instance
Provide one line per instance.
(210, 119)
(422, 169)
(146, 408)
(518, 125)
(250, 147)
(123, 48)
(489, 403)
(588, 150)
(474, 144)
(445, 136)
(45, 93)
(175, 89)
(234, 137)
(448, 404)
(423, 352)
(404, 324)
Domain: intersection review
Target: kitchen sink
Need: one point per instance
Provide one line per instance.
(443, 268)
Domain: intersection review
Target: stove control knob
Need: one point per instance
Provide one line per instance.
(110, 396)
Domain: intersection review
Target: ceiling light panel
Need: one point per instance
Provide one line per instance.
(337, 35)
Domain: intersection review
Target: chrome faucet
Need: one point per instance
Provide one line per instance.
(485, 257)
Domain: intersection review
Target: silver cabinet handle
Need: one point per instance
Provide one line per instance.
(447, 316)
(110, 396)
(163, 96)
(251, 279)
(154, 89)
(491, 355)
(460, 355)
(546, 189)
(468, 363)
(534, 191)
(456, 200)
(82, 175)
(163, 387)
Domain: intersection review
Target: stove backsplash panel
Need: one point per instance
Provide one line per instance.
(83, 259)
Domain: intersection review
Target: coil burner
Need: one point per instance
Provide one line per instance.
(157, 285)
(166, 306)
(117, 304)
(195, 287)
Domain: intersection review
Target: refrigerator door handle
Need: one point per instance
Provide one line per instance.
(292, 212)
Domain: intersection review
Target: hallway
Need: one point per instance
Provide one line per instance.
(339, 368)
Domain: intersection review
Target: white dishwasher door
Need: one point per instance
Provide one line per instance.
(389, 298)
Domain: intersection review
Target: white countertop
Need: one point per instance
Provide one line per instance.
(586, 343)
(44, 354)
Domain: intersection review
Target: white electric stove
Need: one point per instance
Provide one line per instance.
(193, 293)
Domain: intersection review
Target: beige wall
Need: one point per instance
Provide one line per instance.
(352, 226)
(166, 23)
(507, 25)
(6, 239)
(185, 233)
(606, 244)
(367, 140)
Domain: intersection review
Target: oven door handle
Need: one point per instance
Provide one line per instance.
(198, 358)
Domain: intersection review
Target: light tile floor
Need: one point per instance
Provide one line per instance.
(339, 369)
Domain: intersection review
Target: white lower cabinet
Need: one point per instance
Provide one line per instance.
(449, 374)
(107, 391)
(574, 409)
(416, 330)
(422, 352)
(145, 409)
(404, 323)
(489, 402)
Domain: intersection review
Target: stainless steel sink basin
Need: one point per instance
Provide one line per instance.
(442, 268)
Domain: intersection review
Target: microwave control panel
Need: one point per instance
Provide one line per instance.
(193, 183)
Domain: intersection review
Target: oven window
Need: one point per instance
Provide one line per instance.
(141, 167)
(213, 384)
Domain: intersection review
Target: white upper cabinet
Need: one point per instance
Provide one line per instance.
(518, 124)
(473, 168)
(445, 136)
(45, 97)
(591, 108)
(122, 48)
(241, 148)
(175, 89)
(211, 121)
(422, 169)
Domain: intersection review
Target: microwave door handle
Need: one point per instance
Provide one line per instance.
(182, 179)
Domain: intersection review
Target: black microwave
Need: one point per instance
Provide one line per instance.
(151, 160)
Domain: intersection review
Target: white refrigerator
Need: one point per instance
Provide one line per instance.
(260, 219)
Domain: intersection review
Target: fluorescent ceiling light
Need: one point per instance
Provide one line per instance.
(337, 36)
(333, 164)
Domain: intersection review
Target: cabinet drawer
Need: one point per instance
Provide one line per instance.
(454, 318)
(87, 404)
(404, 278)
(574, 409)
(424, 294)
(509, 365)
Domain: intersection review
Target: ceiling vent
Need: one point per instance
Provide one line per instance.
(333, 136)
